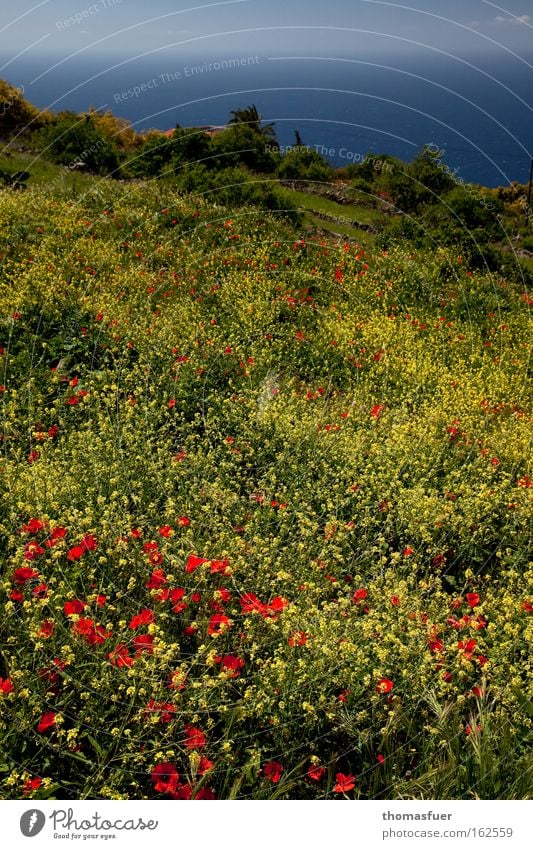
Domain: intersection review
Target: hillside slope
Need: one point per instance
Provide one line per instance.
(265, 509)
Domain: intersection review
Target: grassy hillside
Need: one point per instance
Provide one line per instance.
(265, 509)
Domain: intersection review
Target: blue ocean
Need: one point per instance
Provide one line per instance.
(479, 113)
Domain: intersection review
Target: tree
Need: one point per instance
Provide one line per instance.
(190, 145)
(420, 183)
(16, 113)
(241, 144)
(154, 155)
(119, 131)
(305, 164)
(250, 116)
(72, 139)
(426, 168)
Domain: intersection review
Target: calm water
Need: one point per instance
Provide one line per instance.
(481, 116)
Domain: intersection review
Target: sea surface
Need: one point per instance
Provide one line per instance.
(478, 112)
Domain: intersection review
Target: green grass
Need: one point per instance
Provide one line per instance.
(352, 212)
(363, 237)
(47, 174)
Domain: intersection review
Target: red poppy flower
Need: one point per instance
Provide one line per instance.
(231, 663)
(277, 605)
(165, 531)
(156, 558)
(145, 617)
(165, 778)
(89, 542)
(395, 601)
(527, 606)
(75, 553)
(218, 624)
(33, 456)
(345, 783)
(175, 596)
(315, 773)
(218, 566)
(32, 784)
(381, 759)
(100, 600)
(166, 710)
(272, 770)
(94, 635)
(6, 686)
(193, 561)
(74, 606)
(384, 685)
(156, 580)
(144, 643)
(194, 737)
(46, 721)
(40, 591)
(47, 628)
(223, 593)
(183, 792)
(251, 604)
(204, 766)
(299, 638)
(184, 521)
(24, 574)
(150, 546)
(120, 656)
(467, 647)
(136, 533)
(376, 411)
(359, 595)
(176, 680)
(408, 551)
(472, 599)
(55, 535)
(33, 526)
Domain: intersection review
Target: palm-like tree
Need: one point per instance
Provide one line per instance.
(253, 119)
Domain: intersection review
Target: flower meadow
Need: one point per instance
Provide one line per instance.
(265, 510)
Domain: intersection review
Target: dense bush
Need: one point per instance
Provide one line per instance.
(304, 164)
(17, 115)
(242, 145)
(71, 138)
(236, 187)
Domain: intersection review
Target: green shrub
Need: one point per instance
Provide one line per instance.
(71, 139)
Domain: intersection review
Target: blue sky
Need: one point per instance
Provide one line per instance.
(238, 27)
